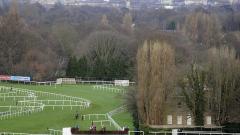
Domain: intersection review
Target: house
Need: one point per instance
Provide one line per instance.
(178, 115)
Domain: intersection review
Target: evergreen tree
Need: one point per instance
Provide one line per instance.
(82, 67)
(72, 68)
(193, 90)
(171, 26)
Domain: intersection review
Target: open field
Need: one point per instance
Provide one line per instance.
(102, 102)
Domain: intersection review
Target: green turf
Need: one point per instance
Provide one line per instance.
(102, 102)
(124, 119)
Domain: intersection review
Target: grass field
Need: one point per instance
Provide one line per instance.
(101, 102)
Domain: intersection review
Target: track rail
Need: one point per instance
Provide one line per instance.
(29, 101)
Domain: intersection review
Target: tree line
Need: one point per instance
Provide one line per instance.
(208, 76)
(40, 42)
(186, 51)
(207, 87)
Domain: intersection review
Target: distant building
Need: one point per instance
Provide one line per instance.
(167, 2)
(195, 2)
(178, 115)
(222, 2)
(47, 2)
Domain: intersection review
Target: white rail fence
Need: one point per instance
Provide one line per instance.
(103, 121)
(94, 116)
(59, 132)
(27, 101)
(192, 133)
(118, 110)
(17, 113)
(12, 133)
(106, 118)
(32, 82)
(54, 83)
(109, 88)
(115, 124)
(51, 132)
(114, 112)
(55, 132)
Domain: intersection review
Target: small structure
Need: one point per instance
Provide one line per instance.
(66, 81)
(121, 82)
(179, 116)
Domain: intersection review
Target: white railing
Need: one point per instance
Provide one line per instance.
(77, 81)
(27, 101)
(109, 88)
(107, 117)
(103, 121)
(118, 127)
(55, 132)
(33, 82)
(12, 133)
(17, 113)
(192, 133)
(98, 82)
(114, 112)
(118, 110)
(94, 116)
(46, 94)
(59, 132)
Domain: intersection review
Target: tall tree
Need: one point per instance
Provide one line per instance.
(66, 35)
(203, 28)
(128, 23)
(155, 68)
(108, 55)
(104, 20)
(12, 40)
(83, 68)
(193, 90)
(224, 77)
(72, 67)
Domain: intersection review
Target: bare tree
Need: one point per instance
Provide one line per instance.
(203, 28)
(40, 64)
(155, 68)
(224, 74)
(104, 20)
(128, 23)
(66, 35)
(12, 40)
(108, 54)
